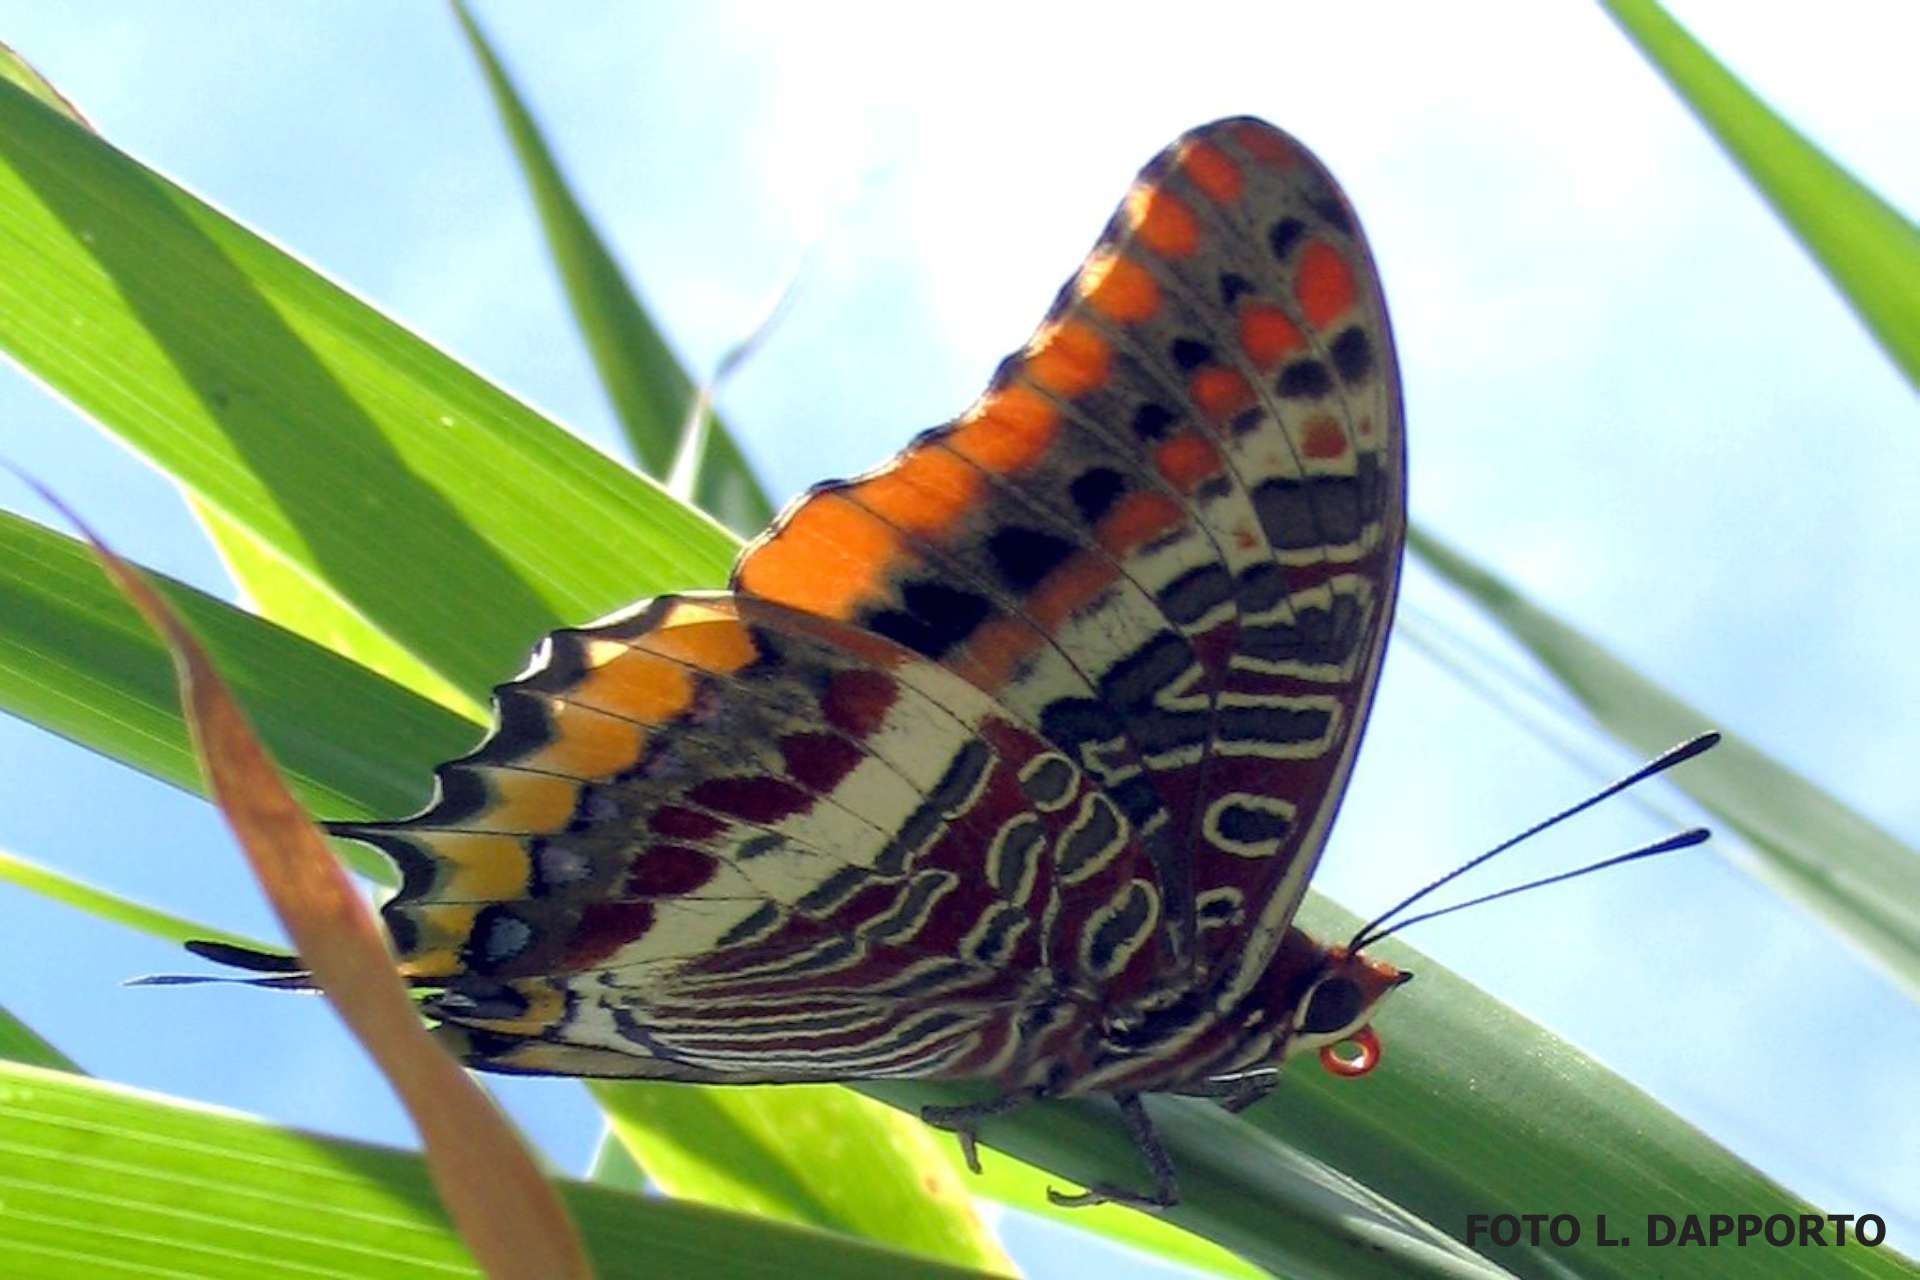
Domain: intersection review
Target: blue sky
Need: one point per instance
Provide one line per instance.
(1628, 390)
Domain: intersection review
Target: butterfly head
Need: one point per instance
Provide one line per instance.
(1335, 1008)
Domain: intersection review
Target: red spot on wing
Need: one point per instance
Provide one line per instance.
(761, 800)
(1324, 284)
(684, 824)
(665, 869)
(1187, 459)
(1267, 335)
(604, 928)
(1139, 518)
(1219, 392)
(1208, 168)
(1323, 438)
(1266, 144)
(856, 702)
(819, 760)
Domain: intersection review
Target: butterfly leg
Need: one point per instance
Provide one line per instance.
(1165, 1193)
(963, 1121)
(1246, 1095)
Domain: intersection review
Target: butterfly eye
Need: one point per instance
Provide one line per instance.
(1333, 1005)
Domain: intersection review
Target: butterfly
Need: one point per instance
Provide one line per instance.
(1008, 761)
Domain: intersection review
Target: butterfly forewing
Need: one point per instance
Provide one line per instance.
(1044, 719)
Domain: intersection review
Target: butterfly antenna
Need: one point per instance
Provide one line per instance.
(1371, 931)
(1680, 840)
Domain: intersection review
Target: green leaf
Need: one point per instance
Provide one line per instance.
(17, 70)
(614, 1166)
(451, 517)
(54, 886)
(1869, 251)
(76, 659)
(813, 1155)
(102, 1181)
(21, 1043)
(649, 390)
(285, 593)
(1022, 1186)
(1816, 852)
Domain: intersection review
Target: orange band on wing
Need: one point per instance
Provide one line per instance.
(1162, 222)
(926, 491)
(1067, 359)
(1007, 432)
(1120, 289)
(719, 645)
(827, 558)
(585, 743)
(476, 868)
(530, 803)
(630, 683)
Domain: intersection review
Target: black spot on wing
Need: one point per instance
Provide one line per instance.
(1153, 421)
(1233, 287)
(1024, 557)
(937, 618)
(1190, 353)
(1304, 380)
(1095, 491)
(1352, 353)
(1284, 235)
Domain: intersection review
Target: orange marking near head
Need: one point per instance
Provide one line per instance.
(1265, 144)
(587, 744)
(477, 868)
(1209, 169)
(1068, 359)
(531, 803)
(1267, 336)
(1119, 288)
(1006, 432)
(1138, 518)
(1162, 222)
(1324, 284)
(1219, 392)
(632, 683)
(828, 558)
(1322, 438)
(926, 491)
(721, 645)
(1186, 460)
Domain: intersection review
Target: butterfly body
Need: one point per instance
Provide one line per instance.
(1008, 761)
